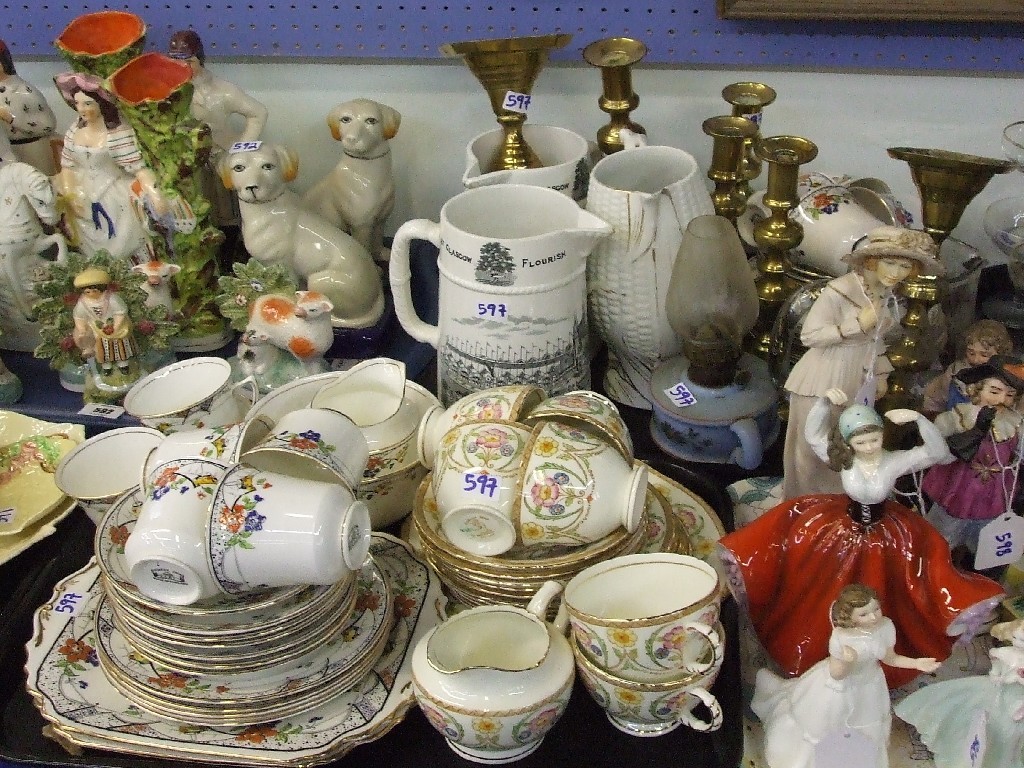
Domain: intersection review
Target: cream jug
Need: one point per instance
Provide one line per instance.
(648, 194)
(512, 299)
(494, 679)
(565, 155)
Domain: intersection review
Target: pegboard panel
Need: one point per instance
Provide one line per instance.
(677, 32)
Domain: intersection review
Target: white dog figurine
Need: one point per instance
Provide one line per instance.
(277, 229)
(359, 193)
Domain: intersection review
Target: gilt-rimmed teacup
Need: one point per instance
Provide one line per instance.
(313, 444)
(166, 553)
(267, 529)
(98, 470)
(476, 482)
(589, 411)
(224, 443)
(495, 404)
(647, 617)
(191, 394)
(650, 709)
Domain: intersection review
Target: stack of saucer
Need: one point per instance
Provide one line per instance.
(515, 576)
(234, 659)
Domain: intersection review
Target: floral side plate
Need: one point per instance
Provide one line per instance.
(72, 692)
(703, 526)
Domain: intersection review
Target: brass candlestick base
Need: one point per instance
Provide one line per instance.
(778, 234)
(730, 135)
(749, 100)
(503, 65)
(615, 56)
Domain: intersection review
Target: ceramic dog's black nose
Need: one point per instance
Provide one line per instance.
(251, 188)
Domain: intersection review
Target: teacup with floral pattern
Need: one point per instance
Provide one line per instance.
(647, 617)
(476, 482)
(313, 444)
(650, 709)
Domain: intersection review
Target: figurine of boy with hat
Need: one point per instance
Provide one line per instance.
(103, 330)
(844, 333)
(984, 436)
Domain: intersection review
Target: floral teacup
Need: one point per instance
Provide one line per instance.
(266, 529)
(647, 617)
(476, 483)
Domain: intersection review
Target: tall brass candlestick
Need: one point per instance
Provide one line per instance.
(778, 234)
(504, 65)
(615, 56)
(749, 100)
(730, 135)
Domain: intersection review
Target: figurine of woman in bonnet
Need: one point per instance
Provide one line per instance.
(845, 332)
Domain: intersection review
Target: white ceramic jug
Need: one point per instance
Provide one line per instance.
(512, 298)
(648, 194)
(565, 155)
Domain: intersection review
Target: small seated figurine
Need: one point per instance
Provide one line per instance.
(845, 335)
(359, 193)
(978, 485)
(790, 563)
(845, 691)
(983, 339)
(946, 713)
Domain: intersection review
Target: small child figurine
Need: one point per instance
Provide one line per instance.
(977, 486)
(844, 692)
(103, 330)
(983, 339)
(946, 714)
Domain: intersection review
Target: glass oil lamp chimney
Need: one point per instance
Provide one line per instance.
(615, 56)
(730, 135)
(730, 411)
(777, 234)
(503, 66)
(749, 100)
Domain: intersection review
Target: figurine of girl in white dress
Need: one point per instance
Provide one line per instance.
(983, 715)
(103, 176)
(845, 692)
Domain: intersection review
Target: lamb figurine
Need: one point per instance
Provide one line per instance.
(279, 325)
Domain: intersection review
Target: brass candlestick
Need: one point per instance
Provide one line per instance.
(947, 182)
(749, 100)
(503, 65)
(730, 135)
(615, 56)
(778, 234)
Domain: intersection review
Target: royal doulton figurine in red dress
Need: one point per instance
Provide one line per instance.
(787, 566)
(979, 485)
(845, 335)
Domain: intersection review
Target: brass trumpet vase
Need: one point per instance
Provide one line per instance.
(615, 56)
(947, 182)
(749, 100)
(504, 66)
